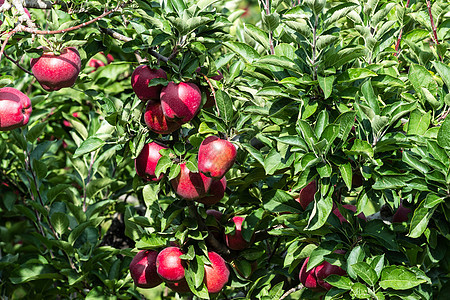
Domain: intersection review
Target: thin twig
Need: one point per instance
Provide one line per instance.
(293, 290)
(212, 91)
(433, 27)
(397, 46)
(17, 64)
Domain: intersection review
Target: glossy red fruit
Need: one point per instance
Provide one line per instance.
(147, 160)
(349, 207)
(216, 274)
(54, 72)
(401, 215)
(216, 192)
(308, 278)
(190, 185)
(215, 157)
(156, 120)
(235, 241)
(324, 270)
(179, 287)
(181, 101)
(143, 269)
(169, 264)
(306, 195)
(15, 109)
(96, 63)
(141, 78)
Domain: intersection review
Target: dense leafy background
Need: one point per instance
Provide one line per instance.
(311, 90)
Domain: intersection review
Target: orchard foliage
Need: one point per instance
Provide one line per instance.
(353, 95)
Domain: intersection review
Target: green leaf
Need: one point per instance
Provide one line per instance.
(280, 201)
(444, 71)
(194, 276)
(30, 271)
(422, 215)
(421, 78)
(418, 122)
(321, 211)
(361, 147)
(96, 185)
(443, 137)
(326, 84)
(340, 282)
(279, 61)
(225, 106)
(245, 51)
(360, 291)
(369, 95)
(347, 174)
(365, 272)
(258, 35)
(60, 222)
(353, 74)
(355, 256)
(89, 145)
(35, 132)
(151, 241)
(398, 278)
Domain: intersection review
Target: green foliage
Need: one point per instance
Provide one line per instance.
(312, 90)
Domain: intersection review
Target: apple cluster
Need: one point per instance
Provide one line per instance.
(150, 268)
(168, 107)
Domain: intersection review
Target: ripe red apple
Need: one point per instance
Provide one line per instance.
(54, 72)
(143, 269)
(190, 185)
(181, 101)
(216, 274)
(308, 279)
(15, 109)
(216, 192)
(215, 157)
(306, 195)
(156, 120)
(179, 287)
(401, 215)
(169, 265)
(324, 270)
(349, 207)
(141, 78)
(96, 63)
(147, 160)
(235, 241)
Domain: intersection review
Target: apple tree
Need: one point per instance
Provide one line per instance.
(215, 149)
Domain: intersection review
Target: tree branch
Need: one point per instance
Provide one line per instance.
(17, 64)
(293, 290)
(397, 45)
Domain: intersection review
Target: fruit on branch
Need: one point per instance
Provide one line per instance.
(179, 287)
(348, 207)
(216, 192)
(147, 160)
(308, 278)
(306, 195)
(401, 215)
(141, 78)
(96, 63)
(143, 269)
(181, 101)
(215, 157)
(156, 120)
(169, 264)
(235, 241)
(190, 185)
(54, 72)
(15, 109)
(315, 278)
(216, 274)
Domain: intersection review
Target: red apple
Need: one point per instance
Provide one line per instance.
(179, 287)
(216, 274)
(181, 101)
(215, 213)
(215, 157)
(145, 163)
(308, 279)
(401, 215)
(235, 241)
(109, 57)
(306, 195)
(96, 63)
(141, 78)
(156, 120)
(349, 207)
(169, 264)
(54, 72)
(190, 185)
(216, 192)
(324, 270)
(143, 269)
(15, 109)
